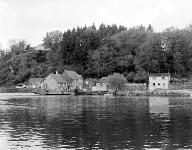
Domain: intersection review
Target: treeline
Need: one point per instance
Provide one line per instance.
(97, 52)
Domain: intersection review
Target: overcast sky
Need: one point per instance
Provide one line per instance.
(31, 19)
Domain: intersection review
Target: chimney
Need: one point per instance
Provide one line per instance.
(57, 72)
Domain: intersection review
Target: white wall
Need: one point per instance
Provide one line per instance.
(99, 88)
(158, 82)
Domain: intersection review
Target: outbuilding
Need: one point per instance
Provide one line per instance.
(35, 82)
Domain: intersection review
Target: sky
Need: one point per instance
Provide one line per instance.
(32, 19)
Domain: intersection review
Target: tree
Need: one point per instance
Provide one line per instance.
(150, 28)
(117, 82)
(94, 53)
(52, 39)
(18, 46)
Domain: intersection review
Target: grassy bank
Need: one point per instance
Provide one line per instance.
(176, 93)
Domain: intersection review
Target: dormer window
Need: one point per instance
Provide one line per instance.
(163, 78)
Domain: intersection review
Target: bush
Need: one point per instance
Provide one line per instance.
(117, 82)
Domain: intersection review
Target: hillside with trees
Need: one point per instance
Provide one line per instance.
(97, 52)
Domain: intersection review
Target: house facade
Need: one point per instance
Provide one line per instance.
(55, 83)
(159, 81)
(35, 82)
(89, 83)
(74, 79)
(101, 85)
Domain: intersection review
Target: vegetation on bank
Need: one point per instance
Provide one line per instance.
(97, 52)
(116, 82)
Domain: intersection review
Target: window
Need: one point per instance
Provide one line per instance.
(97, 84)
(159, 84)
(153, 84)
(163, 84)
(163, 78)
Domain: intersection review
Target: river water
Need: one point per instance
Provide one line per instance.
(98, 122)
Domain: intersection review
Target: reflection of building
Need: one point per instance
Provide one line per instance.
(159, 80)
(160, 117)
(159, 106)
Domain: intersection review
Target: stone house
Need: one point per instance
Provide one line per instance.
(159, 81)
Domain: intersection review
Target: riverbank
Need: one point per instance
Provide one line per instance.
(16, 95)
(13, 89)
(159, 92)
(175, 93)
(14, 92)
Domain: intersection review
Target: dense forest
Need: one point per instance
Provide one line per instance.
(97, 52)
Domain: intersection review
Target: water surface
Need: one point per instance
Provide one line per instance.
(85, 122)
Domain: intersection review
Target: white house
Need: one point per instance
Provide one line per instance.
(159, 81)
(101, 85)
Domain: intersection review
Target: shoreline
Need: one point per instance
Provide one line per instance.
(16, 95)
(168, 93)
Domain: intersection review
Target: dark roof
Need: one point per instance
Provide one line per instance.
(67, 77)
(70, 75)
(36, 79)
(59, 78)
(159, 74)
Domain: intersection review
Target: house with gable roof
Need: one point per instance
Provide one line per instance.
(74, 79)
(55, 83)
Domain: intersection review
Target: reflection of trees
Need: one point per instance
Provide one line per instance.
(23, 118)
(98, 122)
(80, 121)
(181, 119)
(170, 122)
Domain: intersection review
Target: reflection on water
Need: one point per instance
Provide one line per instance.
(85, 122)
